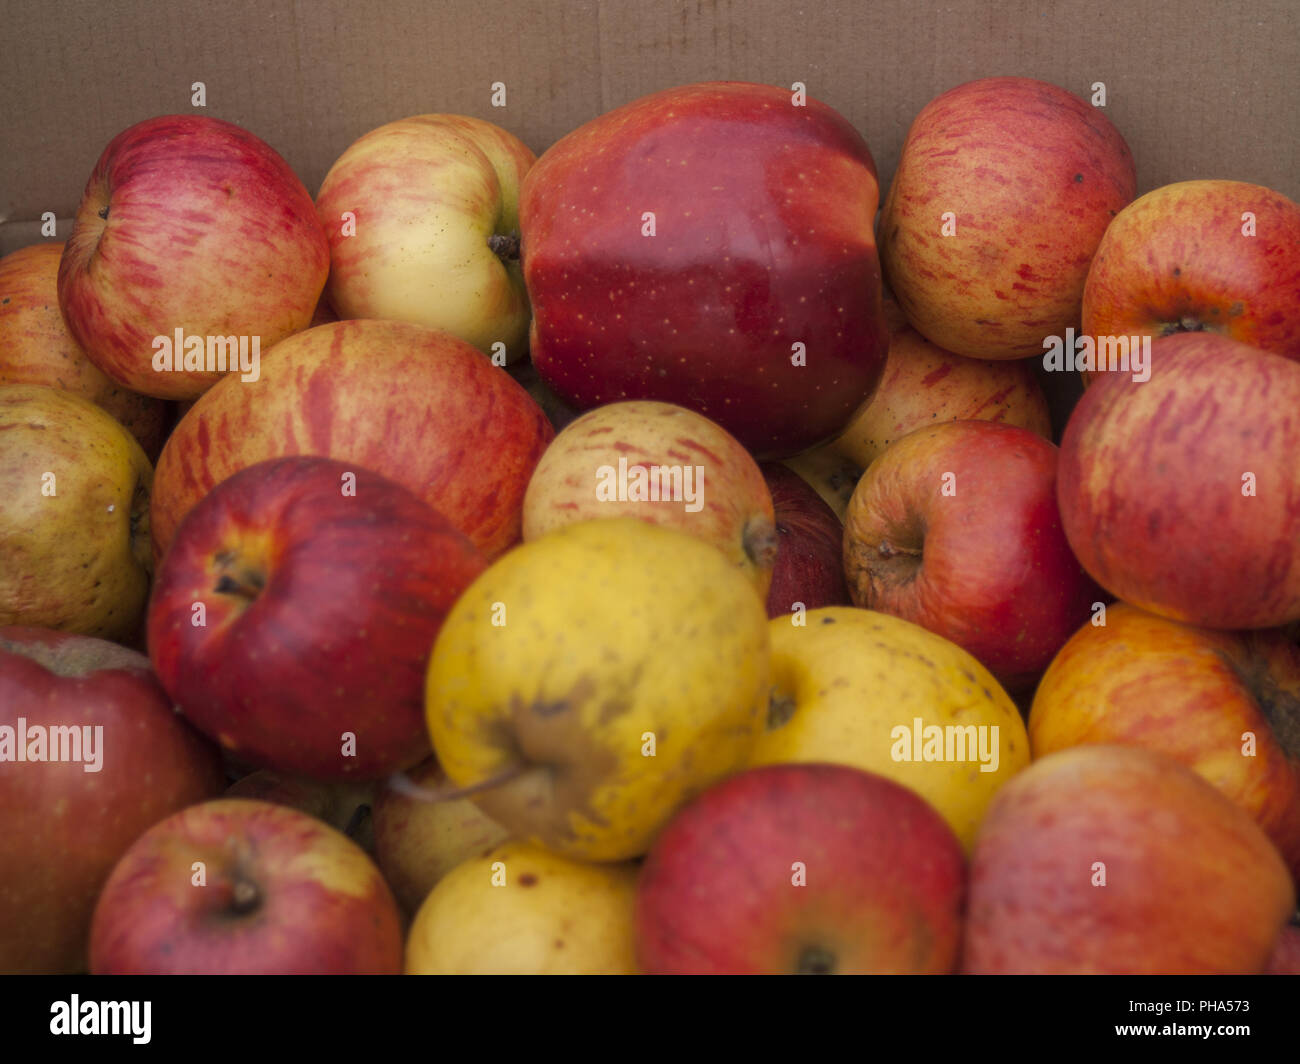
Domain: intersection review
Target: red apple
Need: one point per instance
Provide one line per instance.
(738, 281)
(1179, 494)
(1003, 191)
(190, 227)
(1117, 860)
(37, 348)
(344, 806)
(1219, 256)
(1285, 959)
(413, 404)
(787, 869)
(66, 823)
(241, 887)
(1226, 704)
(955, 528)
(809, 557)
(322, 586)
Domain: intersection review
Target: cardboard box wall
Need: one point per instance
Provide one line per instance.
(1198, 88)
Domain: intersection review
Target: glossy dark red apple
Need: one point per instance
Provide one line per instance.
(809, 558)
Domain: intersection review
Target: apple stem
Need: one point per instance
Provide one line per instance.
(504, 246)
(889, 550)
(408, 788)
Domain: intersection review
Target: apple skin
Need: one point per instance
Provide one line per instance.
(809, 564)
(428, 193)
(987, 567)
(194, 223)
(37, 348)
(284, 895)
(52, 866)
(1033, 175)
(343, 806)
(413, 404)
(734, 507)
(884, 892)
(1151, 481)
(1176, 260)
(1285, 959)
(1189, 693)
(756, 248)
(320, 608)
(1193, 886)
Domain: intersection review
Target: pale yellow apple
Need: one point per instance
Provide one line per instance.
(520, 910)
(422, 216)
(74, 515)
(847, 680)
(664, 464)
(604, 674)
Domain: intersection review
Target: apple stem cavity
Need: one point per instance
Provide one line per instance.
(505, 246)
(761, 542)
(244, 896)
(815, 960)
(401, 783)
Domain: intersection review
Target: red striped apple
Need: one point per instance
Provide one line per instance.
(189, 228)
(802, 869)
(422, 217)
(241, 887)
(413, 404)
(1219, 256)
(1003, 191)
(66, 822)
(956, 528)
(1179, 495)
(292, 618)
(740, 282)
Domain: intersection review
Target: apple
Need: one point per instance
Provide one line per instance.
(1117, 860)
(74, 515)
(802, 869)
(417, 842)
(1178, 494)
(422, 216)
(66, 822)
(741, 283)
(956, 528)
(1214, 256)
(660, 463)
(343, 806)
(241, 887)
(37, 348)
(1003, 190)
(877, 693)
(292, 617)
(591, 681)
(189, 227)
(809, 567)
(1225, 704)
(1285, 959)
(520, 910)
(413, 404)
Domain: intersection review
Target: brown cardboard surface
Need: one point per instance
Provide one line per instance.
(1199, 88)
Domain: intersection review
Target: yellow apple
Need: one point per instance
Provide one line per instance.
(600, 676)
(858, 688)
(520, 910)
(74, 515)
(422, 216)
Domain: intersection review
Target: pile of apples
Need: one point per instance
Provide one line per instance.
(580, 564)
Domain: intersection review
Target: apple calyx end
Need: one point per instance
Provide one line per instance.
(761, 541)
(244, 897)
(780, 708)
(504, 246)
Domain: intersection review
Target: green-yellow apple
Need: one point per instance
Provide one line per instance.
(74, 515)
(1003, 190)
(37, 348)
(413, 404)
(130, 761)
(1226, 704)
(878, 693)
(1181, 494)
(593, 680)
(521, 910)
(422, 216)
(1215, 256)
(663, 464)
(194, 244)
(241, 887)
(1117, 860)
(802, 869)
